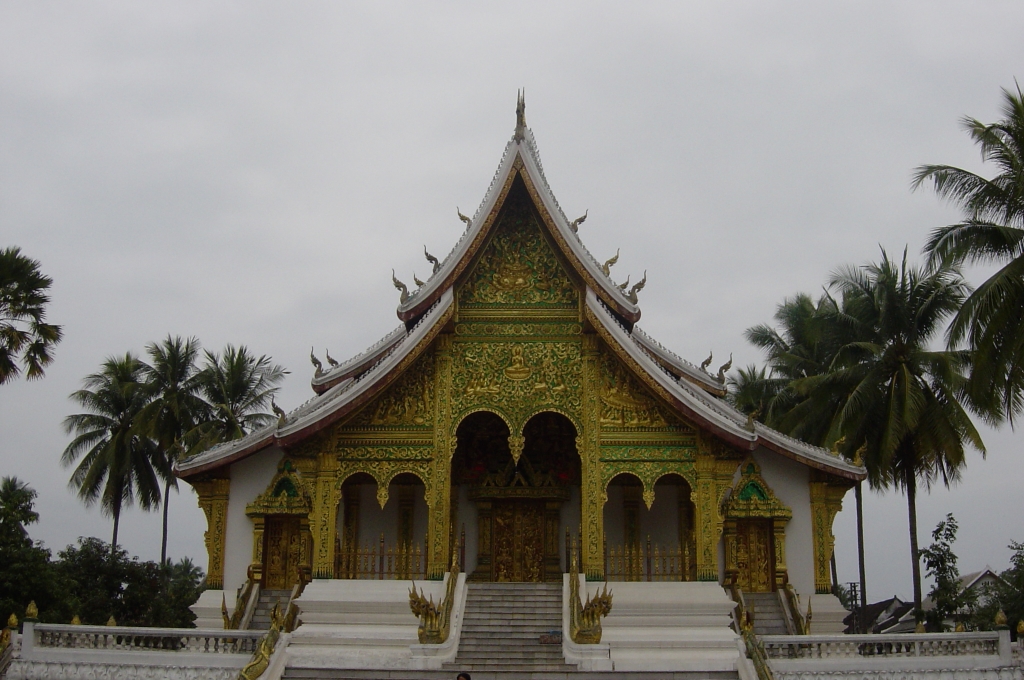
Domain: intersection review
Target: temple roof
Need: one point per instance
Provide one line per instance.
(349, 385)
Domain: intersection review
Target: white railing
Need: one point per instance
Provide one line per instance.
(896, 645)
(907, 652)
(116, 638)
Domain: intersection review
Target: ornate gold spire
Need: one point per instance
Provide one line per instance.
(520, 117)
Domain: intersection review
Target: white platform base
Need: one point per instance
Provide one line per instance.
(353, 624)
(207, 609)
(827, 614)
(662, 627)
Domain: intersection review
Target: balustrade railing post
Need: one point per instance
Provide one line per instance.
(648, 557)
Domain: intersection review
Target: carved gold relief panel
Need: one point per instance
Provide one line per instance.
(516, 379)
(518, 267)
(627, 406)
(407, 403)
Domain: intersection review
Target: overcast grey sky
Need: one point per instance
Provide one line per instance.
(251, 173)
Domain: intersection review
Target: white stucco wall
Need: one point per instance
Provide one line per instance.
(789, 481)
(249, 478)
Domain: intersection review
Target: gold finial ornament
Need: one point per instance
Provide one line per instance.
(12, 621)
(609, 263)
(1000, 618)
(1020, 628)
(637, 287)
(434, 262)
(400, 286)
(622, 286)
(575, 224)
(520, 134)
(316, 362)
(919, 628)
(278, 411)
(111, 621)
(416, 280)
(75, 621)
(960, 627)
(32, 611)
(723, 368)
(463, 217)
(707, 362)
(837, 445)
(333, 362)
(858, 456)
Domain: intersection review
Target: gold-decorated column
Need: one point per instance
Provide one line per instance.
(325, 513)
(213, 499)
(708, 516)
(826, 502)
(439, 529)
(588, 444)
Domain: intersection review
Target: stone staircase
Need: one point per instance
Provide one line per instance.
(265, 605)
(503, 625)
(769, 618)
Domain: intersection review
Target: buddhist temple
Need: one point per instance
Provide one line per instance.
(517, 420)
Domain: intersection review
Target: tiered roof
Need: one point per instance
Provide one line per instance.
(613, 311)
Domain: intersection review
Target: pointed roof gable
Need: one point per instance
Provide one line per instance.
(520, 159)
(348, 386)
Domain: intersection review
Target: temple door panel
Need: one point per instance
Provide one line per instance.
(755, 563)
(282, 552)
(517, 540)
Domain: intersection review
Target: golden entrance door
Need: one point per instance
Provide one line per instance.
(282, 552)
(517, 540)
(754, 555)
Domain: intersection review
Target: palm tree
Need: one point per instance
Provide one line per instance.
(900, 404)
(24, 334)
(16, 501)
(238, 387)
(176, 408)
(992, 232)
(118, 465)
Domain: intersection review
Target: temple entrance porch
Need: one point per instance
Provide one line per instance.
(511, 510)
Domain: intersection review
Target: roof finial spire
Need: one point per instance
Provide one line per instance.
(520, 117)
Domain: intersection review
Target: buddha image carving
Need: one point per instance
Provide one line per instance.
(548, 379)
(517, 368)
(482, 380)
(513, 275)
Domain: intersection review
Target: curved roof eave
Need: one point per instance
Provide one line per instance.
(718, 416)
(682, 366)
(522, 156)
(327, 408)
(357, 364)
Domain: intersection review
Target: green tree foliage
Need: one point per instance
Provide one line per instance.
(952, 603)
(25, 570)
(992, 232)
(134, 592)
(88, 579)
(25, 337)
(238, 386)
(117, 465)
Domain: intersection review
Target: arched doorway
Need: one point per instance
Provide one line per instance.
(514, 510)
(381, 543)
(649, 544)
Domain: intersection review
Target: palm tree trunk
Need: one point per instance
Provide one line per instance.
(910, 480)
(860, 553)
(163, 541)
(113, 540)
